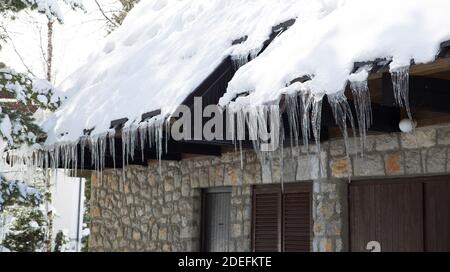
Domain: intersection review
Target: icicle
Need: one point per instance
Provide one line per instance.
(400, 84)
(316, 116)
(142, 139)
(240, 124)
(124, 151)
(112, 146)
(342, 113)
(240, 60)
(155, 132)
(292, 110)
(262, 130)
(305, 108)
(133, 137)
(167, 130)
(363, 107)
(102, 146)
(82, 147)
(281, 159)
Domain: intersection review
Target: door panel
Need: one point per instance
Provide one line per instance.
(437, 215)
(297, 221)
(266, 221)
(217, 221)
(387, 213)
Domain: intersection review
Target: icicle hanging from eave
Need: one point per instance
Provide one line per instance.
(65, 155)
(400, 87)
(362, 102)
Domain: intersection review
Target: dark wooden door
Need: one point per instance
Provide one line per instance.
(216, 220)
(437, 215)
(390, 214)
(282, 219)
(409, 214)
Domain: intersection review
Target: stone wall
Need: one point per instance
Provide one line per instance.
(424, 152)
(142, 210)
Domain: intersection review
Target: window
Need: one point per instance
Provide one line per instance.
(281, 220)
(216, 215)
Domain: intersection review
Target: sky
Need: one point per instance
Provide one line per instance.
(74, 40)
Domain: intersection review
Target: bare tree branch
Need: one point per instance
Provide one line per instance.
(8, 37)
(104, 14)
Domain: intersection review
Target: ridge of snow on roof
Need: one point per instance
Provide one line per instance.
(161, 53)
(326, 45)
(166, 48)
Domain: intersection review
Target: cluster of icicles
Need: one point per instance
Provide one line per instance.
(304, 114)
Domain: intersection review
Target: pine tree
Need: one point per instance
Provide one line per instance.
(61, 241)
(25, 95)
(23, 203)
(28, 230)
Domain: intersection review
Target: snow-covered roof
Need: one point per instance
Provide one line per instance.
(166, 48)
(326, 45)
(163, 50)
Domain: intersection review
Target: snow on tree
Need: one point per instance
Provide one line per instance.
(18, 192)
(21, 205)
(27, 230)
(51, 8)
(21, 96)
(25, 96)
(118, 17)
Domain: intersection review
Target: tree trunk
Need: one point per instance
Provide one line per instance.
(48, 187)
(48, 201)
(49, 60)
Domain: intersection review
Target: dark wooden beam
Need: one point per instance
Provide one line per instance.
(150, 114)
(240, 40)
(384, 118)
(277, 30)
(193, 147)
(444, 50)
(430, 93)
(424, 92)
(119, 123)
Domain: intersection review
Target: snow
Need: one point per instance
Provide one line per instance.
(53, 7)
(33, 224)
(161, 53)
(41, 85)
(6, 127)
(165, 49)
(73, 39)
(326, 46)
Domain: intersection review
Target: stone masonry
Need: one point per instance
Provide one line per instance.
(140, 209)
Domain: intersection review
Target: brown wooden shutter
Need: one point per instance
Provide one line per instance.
(266, 219)
(282, 222)
(297, 218)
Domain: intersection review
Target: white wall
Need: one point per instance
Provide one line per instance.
(68, 215)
